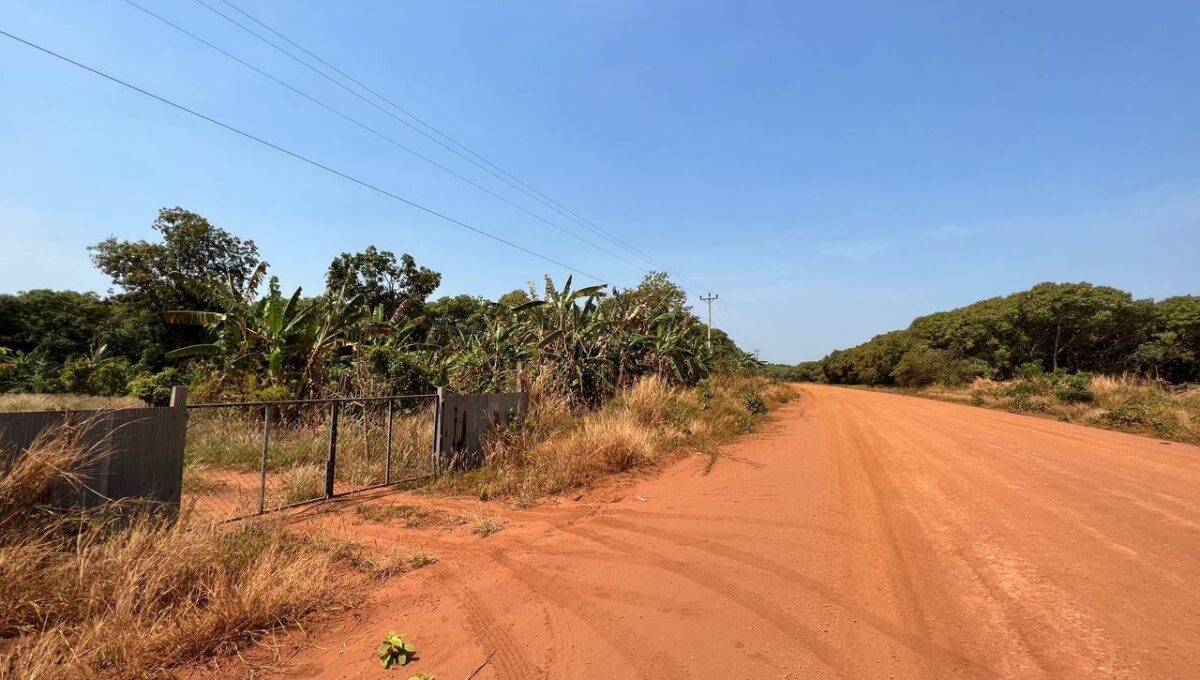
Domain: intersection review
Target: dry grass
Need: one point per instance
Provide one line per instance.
(14, 402)
(1126, 403)
(555, 449)
(408, 516)
(124, 592)
(486, 525)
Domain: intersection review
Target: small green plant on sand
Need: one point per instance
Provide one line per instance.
(394, 651)
(422, 676)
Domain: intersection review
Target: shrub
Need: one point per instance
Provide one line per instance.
(1075, 389)
(154, 388)
(754, 402)
(1145, 412)
(74, 375)
(109, 377)
(1031, 369)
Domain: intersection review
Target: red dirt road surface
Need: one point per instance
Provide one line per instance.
(859, 535)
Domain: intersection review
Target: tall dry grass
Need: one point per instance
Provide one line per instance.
(21, 403)
(555, 449)
(127, 592)
(1127, 403)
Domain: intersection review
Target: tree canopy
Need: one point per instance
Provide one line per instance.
(1074, 327)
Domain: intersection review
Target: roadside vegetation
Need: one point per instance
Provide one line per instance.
(1074, 351)
(651, 423)
(130, 591)
(618, 378)
(1127, 403)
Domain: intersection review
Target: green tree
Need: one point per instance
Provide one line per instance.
(376, 280)
(57, 324)
(164, 274)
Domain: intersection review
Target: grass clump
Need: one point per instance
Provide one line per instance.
(356, 556)
(124, 591)
(486, 526)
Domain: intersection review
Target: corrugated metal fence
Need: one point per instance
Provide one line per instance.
(463, 421)
(133, 453)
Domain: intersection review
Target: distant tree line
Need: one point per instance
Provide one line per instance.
(196, 305)
(1064, 327)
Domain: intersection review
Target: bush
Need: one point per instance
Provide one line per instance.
(1144, 412)
(155, 388)
(1075, 389)
(109, 377)
(754, 402)
(74, 375)
(1030, 369)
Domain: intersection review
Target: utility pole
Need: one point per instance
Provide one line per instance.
(709, 300)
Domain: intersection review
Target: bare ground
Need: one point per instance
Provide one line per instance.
(861, 535)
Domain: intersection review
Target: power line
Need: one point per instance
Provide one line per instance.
(295, 155)
(377, 133)
(482, 163)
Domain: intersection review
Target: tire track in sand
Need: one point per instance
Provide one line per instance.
(650, 662)
(510, 661)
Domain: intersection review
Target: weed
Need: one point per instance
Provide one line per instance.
(395, 651)
(486, 526)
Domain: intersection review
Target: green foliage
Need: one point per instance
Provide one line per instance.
(1065, 327)
(1145, 412)
(375, 280)
(754, 402)
(1074, 389)
(7, 364)
(395, 651)
(1030, 370)
(155, 388)
(161, 275)
(109, 377)
(196, 305)
(56, 324)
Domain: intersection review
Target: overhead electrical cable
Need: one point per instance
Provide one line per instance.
(297, 156)
(482, 163)
(379, 134)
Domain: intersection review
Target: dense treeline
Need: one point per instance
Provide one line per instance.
(197, 306)
(1052, 327)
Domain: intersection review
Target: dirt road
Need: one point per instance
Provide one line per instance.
(859, 535)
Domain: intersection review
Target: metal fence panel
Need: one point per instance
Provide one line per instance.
(135, 453)
(247, 458)
(464, 420)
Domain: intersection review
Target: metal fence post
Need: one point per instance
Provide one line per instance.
(262, 473)
(331, 460)
(387, 468)
(439, 405)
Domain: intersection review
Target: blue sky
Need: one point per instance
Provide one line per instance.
(830, 169)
